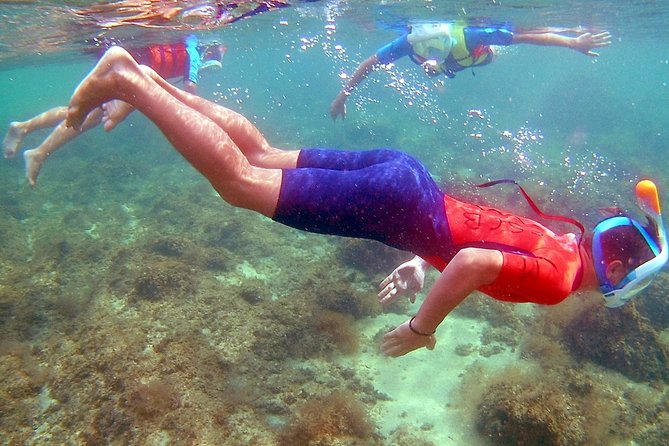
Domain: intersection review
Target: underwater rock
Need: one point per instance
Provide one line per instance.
(657, 431)
(529, 414)
(215, 259)
(652, 303)
(184, 249)
(496, 313)
(171, 246)
(338, 295)
(619, 339)
(309, 333)
(253, 291)
(163, 278)
(465, 349)
(22, 375)
(370, 257)
(560, 406)
(24, 313)
(13, 207)
(109, 423)
(407, 437)
(232, 234)
(324, 420)
(502, 336)
(153, 399)
(344, 299)
(337, 330)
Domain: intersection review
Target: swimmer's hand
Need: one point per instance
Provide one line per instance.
(403, 340)
(406, 280)
(338, 106)
(586, 42)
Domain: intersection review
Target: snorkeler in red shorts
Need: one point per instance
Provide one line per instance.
(387, 196)
(184, 60)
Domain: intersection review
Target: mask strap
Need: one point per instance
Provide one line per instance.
(535, 208)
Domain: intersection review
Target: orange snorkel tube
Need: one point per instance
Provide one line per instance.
(647, 197)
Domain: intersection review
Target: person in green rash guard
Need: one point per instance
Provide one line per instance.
(184, 60)
(447, 48)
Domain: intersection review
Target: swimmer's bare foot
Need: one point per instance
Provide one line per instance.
(13, 139)
(34, 160)
(114, 112)
(101, 85)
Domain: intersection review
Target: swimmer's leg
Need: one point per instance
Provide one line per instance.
(58, 137)
(18, 130)
(248, 138)
(198, 138)
(114, 113)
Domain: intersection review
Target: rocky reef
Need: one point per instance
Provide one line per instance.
(134, 317)
(570, 386)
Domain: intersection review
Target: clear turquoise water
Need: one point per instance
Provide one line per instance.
(587, 128)
(604, 109)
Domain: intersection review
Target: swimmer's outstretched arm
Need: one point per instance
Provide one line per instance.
(470, 269)
(338, 106)
(583, 43)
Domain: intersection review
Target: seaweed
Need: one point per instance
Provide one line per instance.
(619, 339)
(322, 421)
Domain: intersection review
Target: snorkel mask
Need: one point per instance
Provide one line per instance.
(212, 57)
(639, 278)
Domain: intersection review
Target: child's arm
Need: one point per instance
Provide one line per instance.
(470, 269)
(583, 43)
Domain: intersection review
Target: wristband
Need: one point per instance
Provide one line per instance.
(418, 332)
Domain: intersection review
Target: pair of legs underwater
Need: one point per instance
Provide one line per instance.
(382, 195)
(139, 85)
(109, 114)
(221, 144)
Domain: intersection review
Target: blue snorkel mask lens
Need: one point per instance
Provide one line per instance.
(639, 278)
